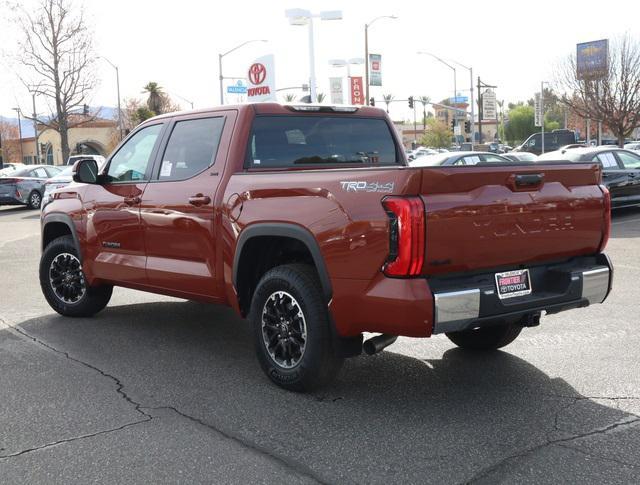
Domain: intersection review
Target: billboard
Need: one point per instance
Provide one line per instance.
(489, 111)
(592, 60)
(375, 70)
(335, 87)
(357, 91)
(261, 78)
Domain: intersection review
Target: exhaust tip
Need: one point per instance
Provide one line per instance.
(378, 343)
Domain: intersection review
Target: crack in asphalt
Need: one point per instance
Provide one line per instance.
(283, 460)
(72, 439)
(627, 422)
(288, 463)
(599, 457)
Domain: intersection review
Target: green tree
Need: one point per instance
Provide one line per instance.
(321, 97)
(289, 98)
(438, 134)
(522, 124)
(155, 97)
(425, 100)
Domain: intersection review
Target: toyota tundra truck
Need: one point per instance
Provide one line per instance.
(308, 222)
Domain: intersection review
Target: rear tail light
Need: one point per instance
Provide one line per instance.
(607, 218)
(406, 236)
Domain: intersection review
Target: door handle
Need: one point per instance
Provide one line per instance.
(199, 200)
(132, 200)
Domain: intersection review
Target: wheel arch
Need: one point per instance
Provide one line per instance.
(57, 225)
(284, 231)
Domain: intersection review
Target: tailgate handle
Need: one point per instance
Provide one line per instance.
(529, 180)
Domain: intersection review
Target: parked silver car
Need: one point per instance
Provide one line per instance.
(26, 186)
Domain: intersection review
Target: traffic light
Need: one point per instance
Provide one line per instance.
(467, 127)
(453, 124)
(372, 101)
(411, 102)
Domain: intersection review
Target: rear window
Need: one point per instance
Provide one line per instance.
(293, 141)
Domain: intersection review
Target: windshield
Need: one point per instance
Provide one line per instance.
(287, 141)
(572, 155)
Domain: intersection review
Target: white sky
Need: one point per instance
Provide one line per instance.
(177, 43)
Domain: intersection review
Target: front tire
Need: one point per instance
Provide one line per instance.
(291, 329)
(486, 338)
(35, 200)
(63, 284)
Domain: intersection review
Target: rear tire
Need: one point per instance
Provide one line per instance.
(63, 284)
(486, 338)
(35, 200)
(291, 329)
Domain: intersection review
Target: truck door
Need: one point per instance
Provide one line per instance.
(116, 249)
(177, 208)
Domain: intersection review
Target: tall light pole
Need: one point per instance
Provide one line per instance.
(357, 61)
(220, 56)
(35, 122)
(542, 83)
(455, 87)
(300, 16)
(473, 107)
(366, 53)
(17, 110)
(118, 91)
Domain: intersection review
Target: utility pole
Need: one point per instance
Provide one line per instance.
(35, 127)
(415, 127)
(17, 110)
(542, 111)
(479, 112)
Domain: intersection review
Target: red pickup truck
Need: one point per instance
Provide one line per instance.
(308, 221)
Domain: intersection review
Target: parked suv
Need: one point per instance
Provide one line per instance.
(307, 221)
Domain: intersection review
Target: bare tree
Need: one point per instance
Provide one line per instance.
(57, 53)
(613, 99)
(10, 142)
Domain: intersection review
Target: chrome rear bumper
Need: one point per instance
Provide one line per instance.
(463, 309)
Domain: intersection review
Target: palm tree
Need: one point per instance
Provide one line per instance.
(425, 100)
(321, 97)
(387, 100)
(154, 101)
(289, 98)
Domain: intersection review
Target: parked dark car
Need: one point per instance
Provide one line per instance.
(458, 158)
(26, 186)
(620, 170)
(552, 141)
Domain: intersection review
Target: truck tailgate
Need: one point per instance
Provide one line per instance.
(489, 217)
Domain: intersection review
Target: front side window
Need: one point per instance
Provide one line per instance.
(191, 148)
(629, 160)
(292, 141)
(131, 162)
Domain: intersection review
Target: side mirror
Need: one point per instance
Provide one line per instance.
(85, 171)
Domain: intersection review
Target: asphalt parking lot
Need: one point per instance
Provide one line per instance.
(159, 390)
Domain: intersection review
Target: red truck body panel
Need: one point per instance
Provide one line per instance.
(476, 219)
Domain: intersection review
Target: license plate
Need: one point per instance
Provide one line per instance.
(513, 283)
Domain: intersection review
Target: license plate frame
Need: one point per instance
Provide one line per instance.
(507, 279)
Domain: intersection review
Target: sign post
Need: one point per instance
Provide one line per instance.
(489, 111)
(538, 110)
(335, 87)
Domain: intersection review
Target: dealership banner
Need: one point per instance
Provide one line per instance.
(335, 87)
(357, 90)
(375, 70)
(261, 77)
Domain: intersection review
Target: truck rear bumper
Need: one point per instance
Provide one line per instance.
(472, 301)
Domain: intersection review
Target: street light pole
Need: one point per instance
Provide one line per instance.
(35, 126)
(118, 91)
(17, 110)
(220, 56)
(312, 65)
(473, 107)
(366, 53)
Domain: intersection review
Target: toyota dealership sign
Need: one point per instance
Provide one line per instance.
(261, 83)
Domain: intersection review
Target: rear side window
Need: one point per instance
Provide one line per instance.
(607, 160)
(293, 141)
(191, 148)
